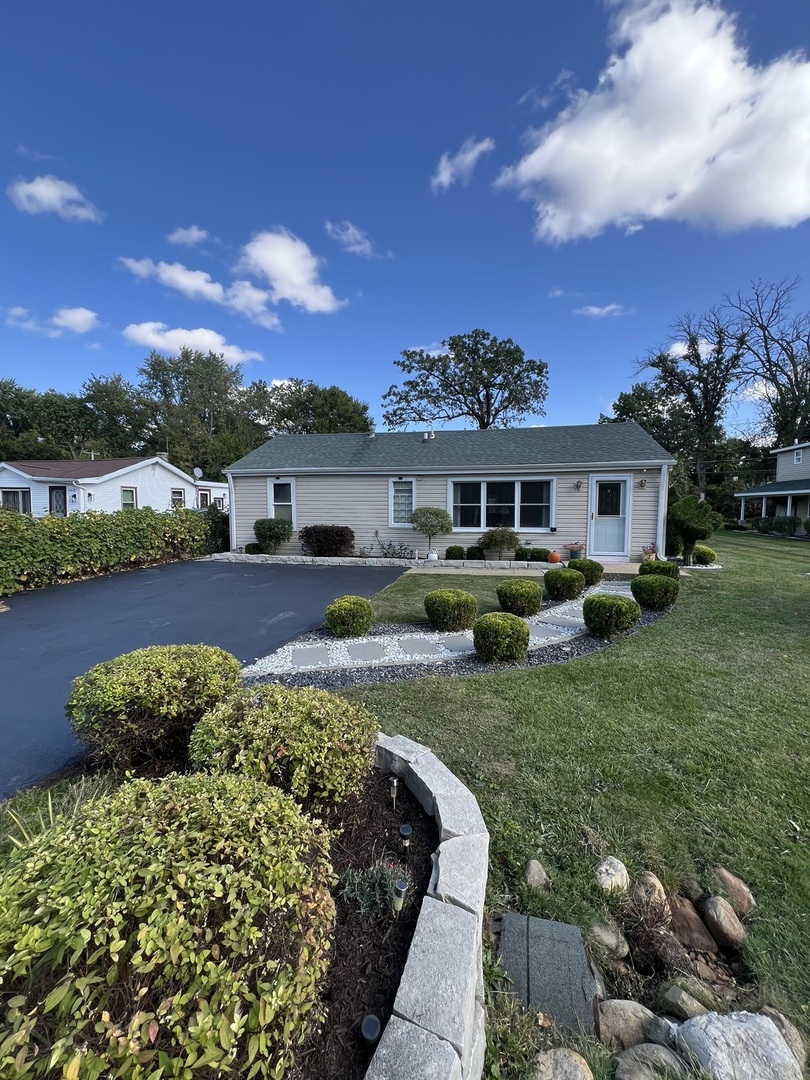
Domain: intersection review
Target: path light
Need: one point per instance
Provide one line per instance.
(394, 784)
(370, 1029)
(400, 888)
(405, 837)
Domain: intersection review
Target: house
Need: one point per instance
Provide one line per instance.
(601, 484)
(104, 484)
(790, 491)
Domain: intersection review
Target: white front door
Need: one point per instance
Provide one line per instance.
(610, 517)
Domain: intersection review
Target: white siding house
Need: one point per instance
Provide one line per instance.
(789, 494)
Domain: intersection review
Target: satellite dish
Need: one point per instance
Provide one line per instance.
(197, 471)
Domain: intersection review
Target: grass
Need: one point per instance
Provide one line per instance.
(403, 602)
(680, 748)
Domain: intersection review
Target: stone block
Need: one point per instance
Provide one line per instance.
(418, 646)
(472, 1065)
(437, 989)
(460, 872)
(514, 953)
(406, 1050)
(561, 983)
(459, 643)
(458, 814)
(308, 656)
(394, 753)
(427, 777)
(366, 651)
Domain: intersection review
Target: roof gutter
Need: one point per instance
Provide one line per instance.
(448, 470)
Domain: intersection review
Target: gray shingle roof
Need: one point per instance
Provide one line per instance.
(597, 444)
(778, 487)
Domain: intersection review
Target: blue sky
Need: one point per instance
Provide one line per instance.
(314, 187)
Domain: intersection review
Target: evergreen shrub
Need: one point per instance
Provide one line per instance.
(327, 541)
(271, 533)
(451, 609)
(806, 524)
(658, 566)
(654, 592)
(253, 549)
(475, 552)
(591, 570)
(519, 596)
(499, 636)
(563, 584)
(539, 554)
(349, 616)
(455, 551)
(608, 616)
(704, 555)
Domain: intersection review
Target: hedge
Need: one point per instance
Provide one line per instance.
(271, 533)
(35, 552)
(178, 928)
(451, 609)
(327, 541)
(659, 566)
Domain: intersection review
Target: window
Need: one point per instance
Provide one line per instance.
(281, 500)
(514, 504)
(220, 502)
(18, 499)
(178, 498)
(797, 457)
(204, 499)
(400, 502)
(129, 498)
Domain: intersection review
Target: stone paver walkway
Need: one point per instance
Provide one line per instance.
(551, 627)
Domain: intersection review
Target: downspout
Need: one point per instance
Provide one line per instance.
(231, 512)
(663, 496)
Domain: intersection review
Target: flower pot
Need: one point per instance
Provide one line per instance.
(554, 557)
(432, 556)
(574, 555)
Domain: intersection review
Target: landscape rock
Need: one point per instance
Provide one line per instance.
(535, 876)
(623, 1024)
(738, 1045)
(609, 941)
(678, 1003)
(561, 1065)
(692, 889)
(699, 991)
(662, 1031)
(648, 1061)
(740, 896)
(612, 876)
(723, 924)
(688, 927)
(648, 889)
(788, 1033)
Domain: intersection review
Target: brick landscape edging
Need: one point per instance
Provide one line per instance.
(437, 1030)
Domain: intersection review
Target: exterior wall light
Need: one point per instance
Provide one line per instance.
(578, 485)
(642, 483)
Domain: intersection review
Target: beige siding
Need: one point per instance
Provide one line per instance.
(645, 511)
(250, 503)
(787, 469)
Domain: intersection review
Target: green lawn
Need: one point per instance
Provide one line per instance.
(677, 749)
(403, 602)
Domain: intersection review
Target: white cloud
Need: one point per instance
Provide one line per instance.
(157, 335)
(34, 155)
(459, 166)
(241, 296)
(79, 320)
(353, 239)
(49, 195)
(681, 126)
(609, 311)
(291, 269)
(188, 237)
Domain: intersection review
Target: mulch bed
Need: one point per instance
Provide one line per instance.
(368, 953)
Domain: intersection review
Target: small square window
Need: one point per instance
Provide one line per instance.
(204, 499)
(178, 498)
(797, 457)
(401, 502)
(129, 498)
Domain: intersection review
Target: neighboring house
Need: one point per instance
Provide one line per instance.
(602, 484)
(790, 491)
(106, 484)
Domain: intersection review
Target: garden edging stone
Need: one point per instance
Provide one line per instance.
(437, 1030)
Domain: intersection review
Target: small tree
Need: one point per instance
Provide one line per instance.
(431, 521)
(692, 520)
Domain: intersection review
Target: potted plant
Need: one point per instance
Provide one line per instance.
(575, 550)
(431, 521)
(649, 553)
(499, 543)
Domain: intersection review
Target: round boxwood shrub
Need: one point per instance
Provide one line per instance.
(654, 592)
(608, 616)
(253, 549)
(349, 616)
(174, 922)
(539, 554)
(451, 609)
(312, 744)
(475, 553)
(137, 711)
(563, 584)
(591, 570)
(500, 636)
(520, 596)
(703, 555)
(658, 566)
(455, 551)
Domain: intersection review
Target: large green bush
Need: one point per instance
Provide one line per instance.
(609, 616)
(349, 616)
(271, 533)
(327, 541)
(654, 592)
(451, 609)
(455, 551)
(520, 596)
(590, 569)
(431, 521)
(563, 584)
(499, 636)
(500, 539)
(476, 553)
(692, 520)
(703, 555)
(314, 745)
(806, 524)
(658, 566)
(137, 711)
(35, 552)
(173, 929)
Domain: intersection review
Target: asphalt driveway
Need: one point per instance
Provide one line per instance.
(49, 637)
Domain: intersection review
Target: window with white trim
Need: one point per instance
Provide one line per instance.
(129, 498)
(18, 499)
(178, 498)
(219, 501)
(515, 504)
(400, 501)
(203, 499)
(797, 457)
(281, 500)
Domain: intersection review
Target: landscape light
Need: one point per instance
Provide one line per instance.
(370, 1029)
(405, 838)
(394, 784)
(400, 888)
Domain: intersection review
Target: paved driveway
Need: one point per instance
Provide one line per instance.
(49, 637)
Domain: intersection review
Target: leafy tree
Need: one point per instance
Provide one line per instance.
(296, 407)
(18, 436)
(431, 521)
(692, 520)
(121, 414)
(65, 423)
(659, 412)
(477, 377)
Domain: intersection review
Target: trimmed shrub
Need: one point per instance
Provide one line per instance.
(313, 745)
(704, 555)
(608, 616)
(431, 521)
(519, 596)
(499, 636)
(654, 592)
(500, 539)
(327, 541)
(563, 584)
(591, 570)
(475, 552)
(658, 566)
(539, 554)
(137, 711)
(219, 532)
(786, 526)
(522, 554)
(763, 525)
(806, 524)
(455, 551)
(349, 616)
(451, 609)
(673, 545)
(170, 924)
(271, 533)
(692, 520)
(253, 549)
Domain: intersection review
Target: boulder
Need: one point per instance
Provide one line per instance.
(608, 941)
(648, 1061)
(739, 895)
(688, 927)
(561, 1065)
(612, 876)
(692, 889)
(738, 1045)
(648, 889)
(723, 924)
(788, 1033)
(623, 1024)
(681, 1005)
(535, 876)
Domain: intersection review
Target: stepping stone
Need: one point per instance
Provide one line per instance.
(366, 651)
(305, 656)
(458, 643)
(541, 634)
(572, 620)
(420, 647)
